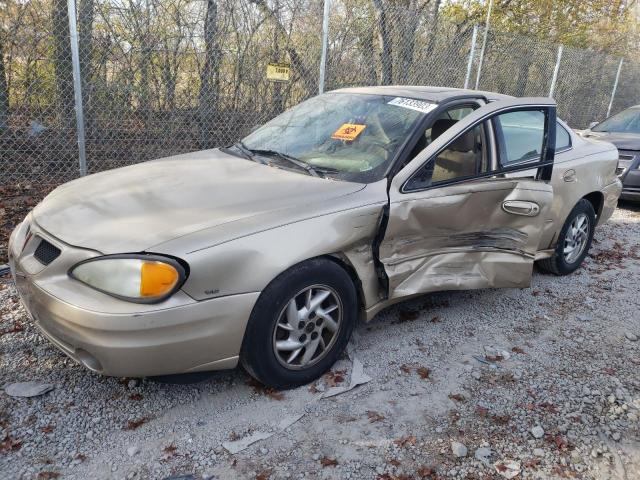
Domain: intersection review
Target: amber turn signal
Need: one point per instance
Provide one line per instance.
(157, 279)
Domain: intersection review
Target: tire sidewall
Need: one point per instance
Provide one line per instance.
(257, 353)
(583, 206)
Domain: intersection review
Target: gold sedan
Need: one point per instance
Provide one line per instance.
(268, 251)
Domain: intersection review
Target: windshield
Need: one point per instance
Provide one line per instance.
(352, 137)
(627, 121)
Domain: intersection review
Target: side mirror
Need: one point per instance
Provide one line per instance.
(593, 124)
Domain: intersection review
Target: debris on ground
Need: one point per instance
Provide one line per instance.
(508, 468)
(358, 377)
(28, 389)
(236, 446)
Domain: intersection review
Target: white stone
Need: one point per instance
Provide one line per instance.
(459, 449)
(537, 431)
(483, 454)
(133, 450)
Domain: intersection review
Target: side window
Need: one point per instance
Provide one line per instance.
(520, 136)
(466, 156)
(563, 139)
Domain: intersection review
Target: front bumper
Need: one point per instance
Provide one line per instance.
(631, 178)
(176, 336)
(631, 194)
(631, 185)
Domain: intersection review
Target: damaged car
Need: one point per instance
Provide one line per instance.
(268, 252)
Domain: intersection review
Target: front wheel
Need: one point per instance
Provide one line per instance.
(300, 324)
(574, 240)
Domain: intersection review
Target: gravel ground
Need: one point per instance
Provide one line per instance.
(539, 382)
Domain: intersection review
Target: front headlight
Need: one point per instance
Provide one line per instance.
(136, 278)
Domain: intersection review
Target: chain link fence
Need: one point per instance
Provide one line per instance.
(162, 77)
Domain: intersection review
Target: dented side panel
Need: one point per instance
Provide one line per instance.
(461, 237)
(241, 259)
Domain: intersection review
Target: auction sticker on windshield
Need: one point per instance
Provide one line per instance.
(413, 104)
(348, 131)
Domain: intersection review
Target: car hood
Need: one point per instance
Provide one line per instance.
(623, 141)
(133, 208)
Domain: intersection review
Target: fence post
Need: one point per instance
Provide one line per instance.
(471, 54)
(555, 72)
(615, 87)
(325, 42)
(77, 90)
(484, 43)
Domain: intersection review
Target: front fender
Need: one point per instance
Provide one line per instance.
(248, 263)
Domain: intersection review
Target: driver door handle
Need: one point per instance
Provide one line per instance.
(521, 207)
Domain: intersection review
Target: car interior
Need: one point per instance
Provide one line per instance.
(465, 156)
(519, 139)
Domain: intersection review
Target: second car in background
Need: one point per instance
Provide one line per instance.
(623, 130)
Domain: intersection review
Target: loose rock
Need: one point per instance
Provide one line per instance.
(537, 431)
(459, 449)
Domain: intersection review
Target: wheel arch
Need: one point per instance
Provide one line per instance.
(343, 261)
(596, 199)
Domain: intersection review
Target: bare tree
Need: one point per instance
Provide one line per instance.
(433, 26)
(386, 42)
(85, 48)
(277, 86)
(412, 15)
(4, 91)
(208, 93)
(62, 62)
(367, 41)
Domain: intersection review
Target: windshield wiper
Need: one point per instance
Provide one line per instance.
(248, 153)
(308, 168)
(326, 169)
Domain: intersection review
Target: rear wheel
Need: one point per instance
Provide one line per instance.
(574, 240)
(300, 324)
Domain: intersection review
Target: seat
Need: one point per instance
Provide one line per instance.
(459, 159)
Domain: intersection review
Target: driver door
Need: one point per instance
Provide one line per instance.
(456, 220)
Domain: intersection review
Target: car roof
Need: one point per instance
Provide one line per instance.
(431, 94)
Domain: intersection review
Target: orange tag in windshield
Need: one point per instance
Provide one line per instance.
(348, 131)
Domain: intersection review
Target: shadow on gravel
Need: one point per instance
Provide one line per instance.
(185, 378)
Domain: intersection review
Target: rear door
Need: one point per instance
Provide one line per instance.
(469, 210)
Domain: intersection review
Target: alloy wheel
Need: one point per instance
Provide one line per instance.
(307, 327)
(576, 238)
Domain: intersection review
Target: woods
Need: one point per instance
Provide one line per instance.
(167, 76)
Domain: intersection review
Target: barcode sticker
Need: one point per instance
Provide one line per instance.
(413, 104)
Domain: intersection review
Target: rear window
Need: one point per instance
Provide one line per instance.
(563, 139)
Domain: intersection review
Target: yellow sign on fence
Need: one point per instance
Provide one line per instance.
(278, 72)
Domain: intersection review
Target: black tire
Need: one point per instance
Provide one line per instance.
(258, 354)
(557, 264)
